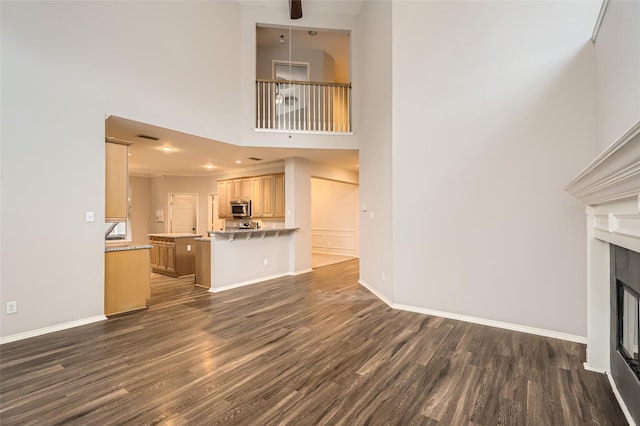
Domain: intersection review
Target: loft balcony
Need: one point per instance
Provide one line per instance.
(303, 106)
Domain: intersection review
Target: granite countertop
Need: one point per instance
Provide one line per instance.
(126, 246)
(176, 235)
(250, 231)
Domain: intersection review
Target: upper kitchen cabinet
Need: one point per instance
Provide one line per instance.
(266, 193)
(116, 181)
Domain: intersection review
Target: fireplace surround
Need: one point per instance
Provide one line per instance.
(610, 189)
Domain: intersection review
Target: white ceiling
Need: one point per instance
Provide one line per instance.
(336, 7)
(190, 154)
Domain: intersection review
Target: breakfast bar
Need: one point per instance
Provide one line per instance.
(245, 256)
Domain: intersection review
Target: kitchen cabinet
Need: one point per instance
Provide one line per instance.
(203, 262)
(278, 196)
(224, 197)
(116, 181)
(256, 196)
(126, 280)
(266, 193)
(267, 196)
(173, 254)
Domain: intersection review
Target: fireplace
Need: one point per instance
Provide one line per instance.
(625, 296)
(609, 187)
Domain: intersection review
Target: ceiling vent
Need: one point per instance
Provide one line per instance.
(254, 159)
(151, 138)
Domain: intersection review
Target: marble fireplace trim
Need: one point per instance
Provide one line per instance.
(610, 189)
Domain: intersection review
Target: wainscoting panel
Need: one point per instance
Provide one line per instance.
(333, 241)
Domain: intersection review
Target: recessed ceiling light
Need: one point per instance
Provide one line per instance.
(312, 33)
(130, 154)
(238, 161)
(167, 149)
(209, 166)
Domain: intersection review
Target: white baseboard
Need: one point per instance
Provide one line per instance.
(248, 282)
(377, 293)
(51, 329)
(594, 369)
(621, 403)
(476, 320)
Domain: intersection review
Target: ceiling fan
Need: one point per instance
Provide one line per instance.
(295, 9)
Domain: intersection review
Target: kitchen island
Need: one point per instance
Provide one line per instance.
(245, 256)
(173, 254)
(126, 278)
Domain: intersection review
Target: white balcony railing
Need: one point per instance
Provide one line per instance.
(303, 106)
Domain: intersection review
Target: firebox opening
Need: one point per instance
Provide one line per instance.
(628, 302)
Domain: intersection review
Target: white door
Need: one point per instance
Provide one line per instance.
(183, 210)
(215, 223)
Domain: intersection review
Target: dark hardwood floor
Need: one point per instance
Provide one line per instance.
(312, 349)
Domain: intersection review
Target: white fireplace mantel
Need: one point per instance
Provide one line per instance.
(610, 189)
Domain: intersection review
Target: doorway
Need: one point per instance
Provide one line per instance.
(183, 209)
(334, 222)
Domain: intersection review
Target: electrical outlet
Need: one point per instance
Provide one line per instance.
(12, 307)
(384, 277)
(90, 217)
(188, 247)
(266, 261)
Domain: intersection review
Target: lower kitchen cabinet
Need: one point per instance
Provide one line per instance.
(203, 262)
(173, 254)
(126, 280)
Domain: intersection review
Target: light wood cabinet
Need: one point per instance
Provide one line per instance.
(278, 196)
(224, 197)
(266, 193)
(256, 197)
(246, 189)
(173, 256)
(126, 281)
(116, 182)
(203, 262)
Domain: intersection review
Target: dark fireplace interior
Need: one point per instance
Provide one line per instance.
(625, 324)
(627, 332)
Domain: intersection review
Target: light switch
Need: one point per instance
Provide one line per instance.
(372, 216)
(90, 216)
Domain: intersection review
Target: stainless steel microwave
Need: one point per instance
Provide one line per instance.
(240, 208)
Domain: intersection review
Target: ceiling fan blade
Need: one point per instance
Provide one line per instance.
(295, 9)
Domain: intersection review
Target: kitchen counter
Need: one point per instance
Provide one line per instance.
(126, 246)
(232, 233)
(176, 235)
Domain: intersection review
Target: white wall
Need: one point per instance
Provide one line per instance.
(319, 62)
(493, 112)
(334, 217)
(64, 66)
(372, 100)
(618, 71)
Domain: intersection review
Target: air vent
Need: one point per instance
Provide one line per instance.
(152, 138)
(254, 159)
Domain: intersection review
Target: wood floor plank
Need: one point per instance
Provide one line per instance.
(317, 348)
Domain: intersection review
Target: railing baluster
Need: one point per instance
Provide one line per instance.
(308, 106)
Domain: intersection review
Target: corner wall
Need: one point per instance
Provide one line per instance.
(493, 113)
(373, 102)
